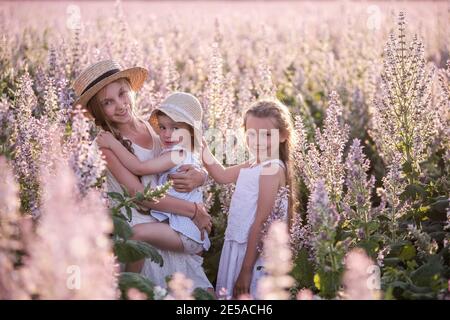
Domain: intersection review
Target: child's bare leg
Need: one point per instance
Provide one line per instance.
(158, 234)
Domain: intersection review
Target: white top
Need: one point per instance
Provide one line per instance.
(179, 223)
(244, 202)
(142, 154)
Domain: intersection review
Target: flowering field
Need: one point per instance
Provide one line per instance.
(368, 86)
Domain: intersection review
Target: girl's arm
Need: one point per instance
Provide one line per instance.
(140, 168)
(217, 171)
(269, 184)
(169, 204)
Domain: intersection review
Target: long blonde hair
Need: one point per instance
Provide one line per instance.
(267, 108)
(95, 108)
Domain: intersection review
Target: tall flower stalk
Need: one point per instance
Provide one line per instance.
(215, 87)
(327, 251)
(392, 206)
(26, 149)
(357, 201)
(404, 118)
(84, 155)
(326, 160)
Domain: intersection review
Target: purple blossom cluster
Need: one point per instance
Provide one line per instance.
(84, 156)
(404, 119)
(326, 160)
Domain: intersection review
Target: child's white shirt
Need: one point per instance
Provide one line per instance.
(180, 223)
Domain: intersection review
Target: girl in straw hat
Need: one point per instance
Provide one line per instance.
(107, 93)
(178, 124)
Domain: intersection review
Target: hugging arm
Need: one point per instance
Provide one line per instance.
(188, 178)
(140, 168)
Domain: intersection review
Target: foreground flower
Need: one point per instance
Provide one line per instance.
(71, 256)
(361, 277)
(305, 294)
(180, 287)
(11, 282)
(277, 264)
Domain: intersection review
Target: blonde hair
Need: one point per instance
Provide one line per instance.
(95, 108)
(280, 113)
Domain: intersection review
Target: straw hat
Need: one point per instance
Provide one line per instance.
(181, 107)
(98, 75)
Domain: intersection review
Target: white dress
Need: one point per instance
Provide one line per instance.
(240, 219)
(188, 264)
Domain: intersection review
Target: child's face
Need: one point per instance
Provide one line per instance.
(263, 137)
(174, 133)
(115, 99)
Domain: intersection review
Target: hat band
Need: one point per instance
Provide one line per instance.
(103, 76)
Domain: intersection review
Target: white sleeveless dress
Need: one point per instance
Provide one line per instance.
(240, 219)
(188, 264)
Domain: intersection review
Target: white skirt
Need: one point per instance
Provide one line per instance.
(191, 265)
(231, 260)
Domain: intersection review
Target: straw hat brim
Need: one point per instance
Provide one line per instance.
(177, 117)
(136, 76)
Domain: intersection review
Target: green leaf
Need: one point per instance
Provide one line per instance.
(328, 282)
(303, 270)
(438, 209)
(122, 228)
(202, 294)
(370, 246)
(116, 196)
(133, 250)
(129, 213)
(424, 275)
(129, 280)
(397, 247)
(408, 252)
(139, 197)
(391, 262)
(373, 226)
(407, 166)
(124, 191)
(414, 191)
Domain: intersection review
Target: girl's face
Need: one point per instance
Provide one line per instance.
(263, 138)
(116, 99)
(174, 133)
